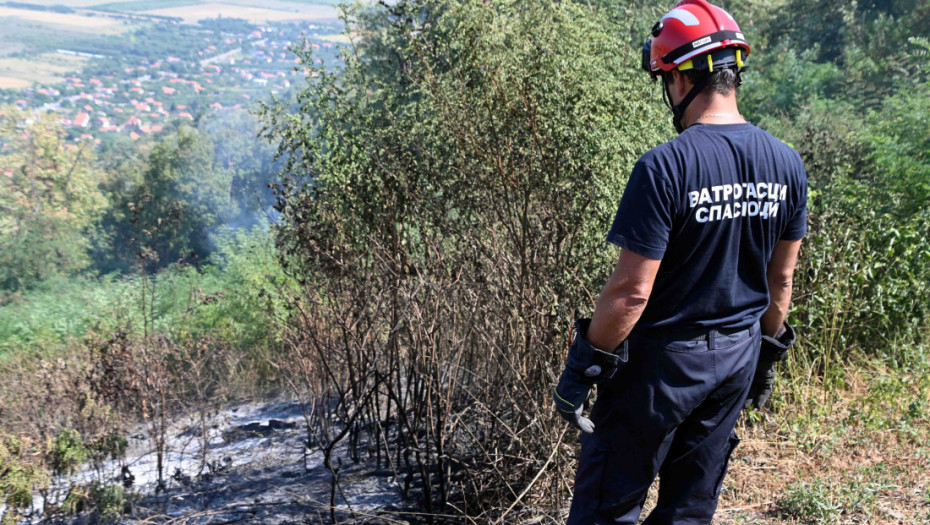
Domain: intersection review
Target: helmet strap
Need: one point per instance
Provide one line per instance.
(678, 110)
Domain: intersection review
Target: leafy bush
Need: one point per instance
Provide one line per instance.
(444, 210)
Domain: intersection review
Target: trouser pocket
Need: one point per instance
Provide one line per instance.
(731, 445)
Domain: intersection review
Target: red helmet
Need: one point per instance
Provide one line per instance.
(695, 35)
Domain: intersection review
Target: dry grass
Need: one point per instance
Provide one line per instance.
(861, 457)
(47, 68)
(193, 13)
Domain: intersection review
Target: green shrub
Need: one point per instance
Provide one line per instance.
(814, 501)
(108, 501)
(67, 452)
(19, 478)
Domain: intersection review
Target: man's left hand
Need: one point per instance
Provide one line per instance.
(585, 367)
(773, 349)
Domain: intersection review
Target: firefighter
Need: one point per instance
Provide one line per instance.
(687, 329)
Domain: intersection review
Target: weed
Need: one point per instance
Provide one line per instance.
(813, 501)
(826, 500)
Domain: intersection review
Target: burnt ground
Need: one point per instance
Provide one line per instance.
(852, 455)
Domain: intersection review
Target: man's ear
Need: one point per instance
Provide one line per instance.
(680, 82)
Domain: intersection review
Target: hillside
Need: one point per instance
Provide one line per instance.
(286, 267)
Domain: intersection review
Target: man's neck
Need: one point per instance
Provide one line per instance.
(713, 109)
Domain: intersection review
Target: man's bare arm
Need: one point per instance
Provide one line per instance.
(623, 300)
(781, 279)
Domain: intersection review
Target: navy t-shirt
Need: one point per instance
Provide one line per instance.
(711, 204)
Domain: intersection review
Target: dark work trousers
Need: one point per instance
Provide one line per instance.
(671, 410)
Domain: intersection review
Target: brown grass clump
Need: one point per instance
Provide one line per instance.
(860, 457)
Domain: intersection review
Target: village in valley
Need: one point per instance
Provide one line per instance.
(113, 70)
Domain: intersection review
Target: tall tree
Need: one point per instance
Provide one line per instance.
(177, 202)
(49, 200)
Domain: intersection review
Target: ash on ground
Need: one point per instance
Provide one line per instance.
(256, 468)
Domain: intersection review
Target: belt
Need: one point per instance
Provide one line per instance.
(702, 334)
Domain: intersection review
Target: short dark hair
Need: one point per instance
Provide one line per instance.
(722, 81)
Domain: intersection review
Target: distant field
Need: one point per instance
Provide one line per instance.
(287, 4)
(69, 3)
(143, 5)
(193, 13)
(71, 22)
(13, 83)
(339, 38)
(48, 68)
(8, 48)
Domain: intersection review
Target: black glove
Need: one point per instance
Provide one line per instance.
(774, 349)
(585, 367)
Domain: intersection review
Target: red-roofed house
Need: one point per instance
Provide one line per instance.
(216, 105)
(133, 123)
(186, 115)
(133, 135)
(81, 120)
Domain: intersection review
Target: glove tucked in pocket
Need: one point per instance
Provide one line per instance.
(585, 367)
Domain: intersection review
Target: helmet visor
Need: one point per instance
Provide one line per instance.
(647, 59)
